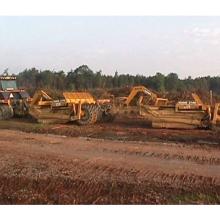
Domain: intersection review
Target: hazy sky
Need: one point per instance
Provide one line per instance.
(134, 45)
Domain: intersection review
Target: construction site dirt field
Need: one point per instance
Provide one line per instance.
(116, 163)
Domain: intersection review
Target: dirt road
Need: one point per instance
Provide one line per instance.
(50, 169)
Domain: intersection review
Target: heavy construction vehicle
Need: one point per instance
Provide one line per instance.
(84, 109)
(162, 113)
(80, 107)
(13, 101)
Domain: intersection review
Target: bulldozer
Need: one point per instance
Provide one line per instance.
(163, 113)
(14, 101)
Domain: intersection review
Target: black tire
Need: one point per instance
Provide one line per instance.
(1, 113)
(6, 112)
(90, 114)
(107, 117)
(105, 114)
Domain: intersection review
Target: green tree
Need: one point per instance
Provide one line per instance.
(159, 79)
(171, 82)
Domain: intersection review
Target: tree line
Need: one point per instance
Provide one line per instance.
(83, 78)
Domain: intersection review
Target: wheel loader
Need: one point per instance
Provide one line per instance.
(13, 101)
(163, 113)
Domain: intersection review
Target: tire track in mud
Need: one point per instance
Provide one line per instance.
(182, 180)
(167, 156)
(98, 171)
(65, 190)
(90, 172)
(94, 183)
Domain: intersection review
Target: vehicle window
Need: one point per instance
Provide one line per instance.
(8, 84)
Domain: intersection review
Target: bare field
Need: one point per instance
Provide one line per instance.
(117, 163)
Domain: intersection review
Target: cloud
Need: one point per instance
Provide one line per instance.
(201, 32)
(209, 35)
(100, 51)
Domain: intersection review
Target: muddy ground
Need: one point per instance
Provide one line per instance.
(125, 162)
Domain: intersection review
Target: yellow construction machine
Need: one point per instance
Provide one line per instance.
(81, 107)
(140, 94)
(162, 113)
(84, 109)
(14, 101)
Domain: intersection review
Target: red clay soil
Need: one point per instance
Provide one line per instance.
(123, 129)
(52, 169)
